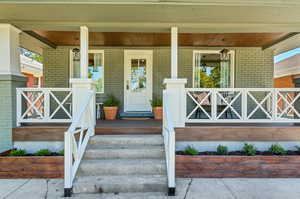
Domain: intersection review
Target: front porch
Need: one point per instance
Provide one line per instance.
(207, 66)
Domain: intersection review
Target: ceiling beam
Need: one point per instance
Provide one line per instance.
(42, 39)
(279, 40)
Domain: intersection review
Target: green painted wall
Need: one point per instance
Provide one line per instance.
(8, 85)
(253, 67)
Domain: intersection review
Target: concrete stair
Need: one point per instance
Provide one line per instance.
(122, 163)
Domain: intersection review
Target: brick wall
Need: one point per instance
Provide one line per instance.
(56, 67)
(253, 67)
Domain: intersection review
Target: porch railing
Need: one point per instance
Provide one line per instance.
(237, 105)
(43, 105)
(76, 140)
(169, 142)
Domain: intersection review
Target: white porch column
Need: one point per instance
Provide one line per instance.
(174, 52)
(9, 50)
(175, 91)
(81, 90)
(10, 79)
(83, 85)
(84, 51)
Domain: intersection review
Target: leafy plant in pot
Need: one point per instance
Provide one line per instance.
(157, 108)
(110, 107)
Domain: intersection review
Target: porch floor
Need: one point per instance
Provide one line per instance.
(192, 132)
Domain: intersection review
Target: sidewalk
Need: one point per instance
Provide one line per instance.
(186, 189)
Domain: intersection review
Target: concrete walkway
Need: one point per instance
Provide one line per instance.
(186, 189)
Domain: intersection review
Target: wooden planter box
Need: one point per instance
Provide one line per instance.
(237, 166)
(32, 167)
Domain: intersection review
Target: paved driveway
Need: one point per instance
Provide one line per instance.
(186, 189)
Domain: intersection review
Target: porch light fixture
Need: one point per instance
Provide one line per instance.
(76, 54)
(224, 54)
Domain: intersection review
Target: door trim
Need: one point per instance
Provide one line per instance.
(137, 52)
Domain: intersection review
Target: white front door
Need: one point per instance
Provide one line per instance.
(137, 80)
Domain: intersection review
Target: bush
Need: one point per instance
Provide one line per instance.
(111, 100)
(222, 150)
(156, 102)
(61, 152)
(276, 149)
(298, 148)
(249, 149)
(190, 151)
(43, 152)
(18, 152)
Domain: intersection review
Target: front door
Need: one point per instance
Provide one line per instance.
(137, 80)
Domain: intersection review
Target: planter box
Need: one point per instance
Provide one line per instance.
(32, 167)
(237, 166)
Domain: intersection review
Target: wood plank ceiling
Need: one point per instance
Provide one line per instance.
(69, 38)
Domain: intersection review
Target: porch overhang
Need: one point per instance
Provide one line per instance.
(190, 16)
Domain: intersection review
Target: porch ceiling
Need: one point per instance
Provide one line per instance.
(71, 38)
(191, 16)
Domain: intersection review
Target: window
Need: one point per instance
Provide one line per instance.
(213, 69)
(95, 69)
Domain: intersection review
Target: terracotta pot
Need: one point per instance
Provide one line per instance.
(158, 112)
(110, 112)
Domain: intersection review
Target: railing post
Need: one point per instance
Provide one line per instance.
(175, 90)
(47, 104)
(68, 165)
(214, 104)
(244, 105)
(19, 107)
(274, 104)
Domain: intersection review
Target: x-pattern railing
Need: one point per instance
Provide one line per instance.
(43, 105)
(77, 138)
(244, 105)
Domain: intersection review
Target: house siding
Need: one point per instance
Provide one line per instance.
(8, 85)
(253, 67)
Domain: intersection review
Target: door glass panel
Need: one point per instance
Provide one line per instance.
(138, 75)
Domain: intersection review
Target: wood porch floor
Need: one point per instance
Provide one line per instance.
(192, 132)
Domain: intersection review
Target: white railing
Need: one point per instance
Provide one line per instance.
(43, 105)
(76, 140)
(169, 142)
(237, 105)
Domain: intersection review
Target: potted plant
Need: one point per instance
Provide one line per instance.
(156, 104)
(110, 107)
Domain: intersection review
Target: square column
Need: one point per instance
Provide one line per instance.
(174, 52)
(10, 79)
(84, 51)
(176, 96)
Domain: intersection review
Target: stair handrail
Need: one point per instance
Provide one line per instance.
(84, 125)
(169, 142)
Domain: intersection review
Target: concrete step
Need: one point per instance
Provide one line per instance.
(122, 167)
(117, 184)
(139, 152)
(126, 140)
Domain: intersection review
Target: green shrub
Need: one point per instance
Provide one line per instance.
(276, 149)
(298, 148)
(156, 102)
(189, 150)
(249, 149)
(111, 100)
(43, 152)
(61, 152)
(18, 152)
(222, 150)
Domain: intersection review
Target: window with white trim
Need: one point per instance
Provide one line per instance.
(95, 68)
(213, 68)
